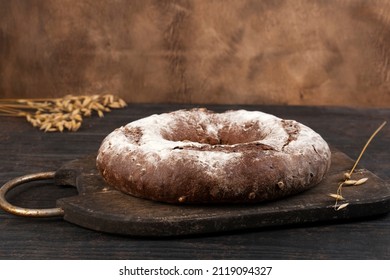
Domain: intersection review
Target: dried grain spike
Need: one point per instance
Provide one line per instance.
(336, 196)
(58, 114)
(76, 126)
(86, 101)
(115, 105)
(342, 206)
(60, 126)
(360, 181)
(122, 103)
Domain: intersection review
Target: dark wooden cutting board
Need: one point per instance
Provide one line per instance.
(100, 207)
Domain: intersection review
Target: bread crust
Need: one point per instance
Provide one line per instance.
(198, 156)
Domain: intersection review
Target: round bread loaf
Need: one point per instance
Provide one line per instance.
(198, 156)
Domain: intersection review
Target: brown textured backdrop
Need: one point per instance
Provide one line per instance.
(306, 52)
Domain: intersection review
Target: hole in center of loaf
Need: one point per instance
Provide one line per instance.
(215, 134)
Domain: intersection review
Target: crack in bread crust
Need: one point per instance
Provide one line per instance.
(292, 129)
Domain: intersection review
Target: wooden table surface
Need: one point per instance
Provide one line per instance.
(25, 150)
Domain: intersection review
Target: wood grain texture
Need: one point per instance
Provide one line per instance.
(24, 150)
(186, 51)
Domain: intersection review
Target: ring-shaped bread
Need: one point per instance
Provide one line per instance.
(198, 156)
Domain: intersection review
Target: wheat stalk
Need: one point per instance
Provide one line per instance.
(59, 114)
(347, 181)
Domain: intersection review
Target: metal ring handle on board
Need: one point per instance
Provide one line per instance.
(27, 212)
